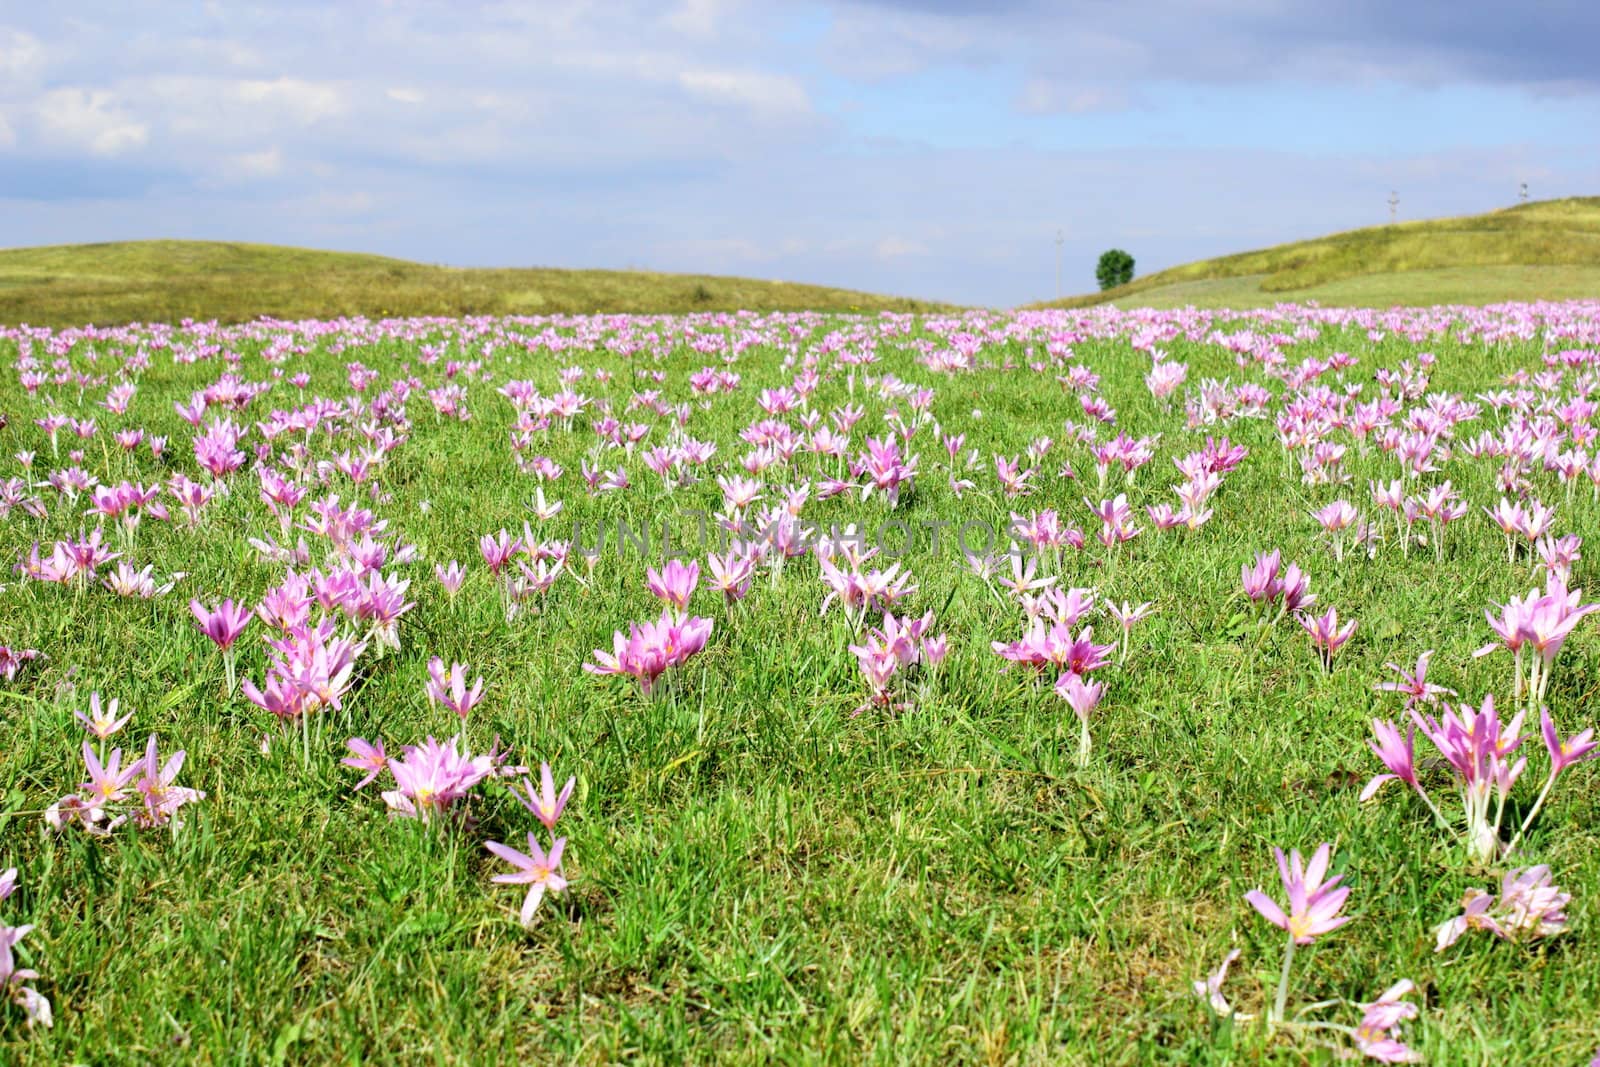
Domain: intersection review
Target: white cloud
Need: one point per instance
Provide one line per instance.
(249, 166)
(766, 93)
(306, 101)
(91, 119)
(21, 55)
(1045, 96)
(405, 96)
(879, 44)
(8, 136)
(701, 18)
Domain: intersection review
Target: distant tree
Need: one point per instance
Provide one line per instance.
(1115, 268)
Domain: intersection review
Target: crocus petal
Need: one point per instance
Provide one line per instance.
(1267, 907)
(1371, 788)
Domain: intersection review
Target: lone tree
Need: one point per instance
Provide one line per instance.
(1115, 268)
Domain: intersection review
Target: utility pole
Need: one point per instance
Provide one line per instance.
(1061, 239)
(1522, 193)
(1394, 206)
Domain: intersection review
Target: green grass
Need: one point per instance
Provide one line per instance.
(758, 875)
(165, 281)
(1546, 250)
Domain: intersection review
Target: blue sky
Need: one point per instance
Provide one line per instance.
(919, 147)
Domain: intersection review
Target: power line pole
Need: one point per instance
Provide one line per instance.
(1061, 239)
(1394, 206)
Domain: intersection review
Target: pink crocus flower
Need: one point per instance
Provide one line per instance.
(158, 789)
(541, 873)
(1297, 594)
(1260, 579)
(1482, 753)
(1414, 684)
(1314, 903)
(1127, 615)
(450, 576)
(1326, 634)
(1336, 518)
(650, 648)
(731, 573)
(102, 722)
(1565, 752)
(430, 777)
(1530, 906)
(367, 757)
(108, 782)
(1082, 697)
(450, 688)
(675, 583)
(223, 625)
(1377, 1037)
(498, 548)
(12, 659)
(35, 1005)
(546, 804)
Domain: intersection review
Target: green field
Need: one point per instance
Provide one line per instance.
(165, 281)
(759, 874)
(1547, 250)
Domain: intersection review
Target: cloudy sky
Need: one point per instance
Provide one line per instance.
(921, 147)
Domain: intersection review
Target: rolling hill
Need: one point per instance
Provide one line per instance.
(1547, 249)
(151, 281)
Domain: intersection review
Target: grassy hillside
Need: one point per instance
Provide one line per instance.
(1547, 249)
(150, 281)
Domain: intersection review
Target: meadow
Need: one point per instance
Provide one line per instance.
(1542, 250)
(120, 282)
(852, 779)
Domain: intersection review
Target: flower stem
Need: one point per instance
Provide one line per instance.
(1282, 999)
(1426, 799)
(1533, 812)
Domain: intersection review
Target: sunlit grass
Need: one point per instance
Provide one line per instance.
(164, 281)
(1548, 250)
(758, 875)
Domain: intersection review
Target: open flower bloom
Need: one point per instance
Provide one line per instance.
(1530, 906)
(1414, 685)
(1564, 752)
(1397, 753)
(652, 647)
(431, 777)
(34, 1004)
(366, 757)
(1210, 990)
(546, 804)
(675, 583)
(1326, 633)
(158, 790)
(536, 870)
(224, 624)
(1313, 904)
(1378, 1036)
(450, 687)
